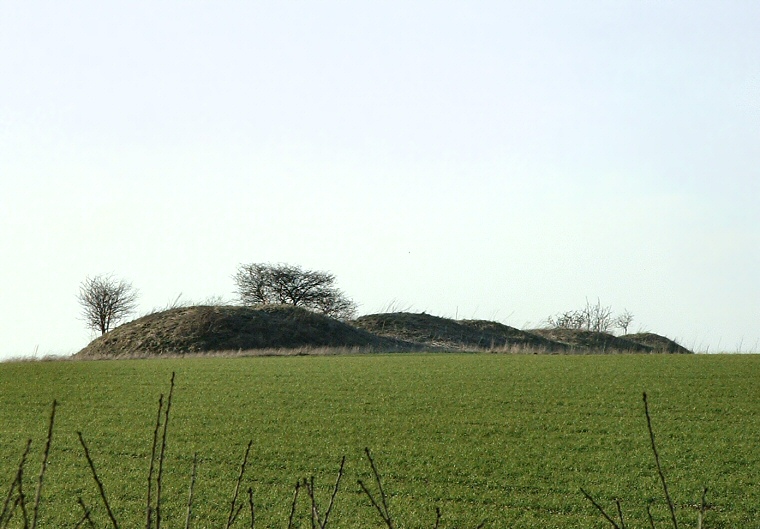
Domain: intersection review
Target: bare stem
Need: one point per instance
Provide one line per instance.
(190, 494)
(19, 474)
(99, 483)
(86, 516)
(149, 507)
(22, 503)
(161, 456)
(600, 509)
(620, 514)
(12, 512)
(702, 509)
(233, 515)
(46, 454)
(314, 510)
(250, 504)
(293, 506)
(659, 467)
(21, 500)
(649, 515)
(384, 514)
(335, 493)
(437, 517)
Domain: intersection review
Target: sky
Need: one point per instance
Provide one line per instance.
(491, 160)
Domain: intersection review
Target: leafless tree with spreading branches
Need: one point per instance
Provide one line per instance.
(106, 301)
(624, 320)
(267, 284)
(593, 317)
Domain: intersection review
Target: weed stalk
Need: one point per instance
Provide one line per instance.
(46, 454)
(85, 516)
(16, 481)
(149, 507)
(384, 513)
(293, 505)
(161, 455)
(99, 483)
(233, 513)
(659, 467)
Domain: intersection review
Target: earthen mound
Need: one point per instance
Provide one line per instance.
(443, 333)
(203, 329)
(657, 343)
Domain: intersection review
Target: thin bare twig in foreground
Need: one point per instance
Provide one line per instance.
(12, 512)
(620, 514)
(293, 506)
(233, 514)
(250, 504)
(190, 494)
(600, 509)
(86, 516)
(21, 500)
(161, 455)
(22, 503)
(149, 507)
(702, 509)
(237, 513)
(384, 514)
(99, 483)
(651, 520)
(314, 510)
(46, 454)
(316, 520)
(437, 517)
(19, 472)
(659, 467)
(335, 493)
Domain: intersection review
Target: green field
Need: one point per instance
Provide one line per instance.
(507, 439)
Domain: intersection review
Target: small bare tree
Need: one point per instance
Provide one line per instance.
(571, 319)
(106, 301)
(596, 318)
(624, 320)
(283, 284)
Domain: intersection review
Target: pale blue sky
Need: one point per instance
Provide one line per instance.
(495, 160)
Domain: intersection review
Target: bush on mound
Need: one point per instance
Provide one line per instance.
(200, 329)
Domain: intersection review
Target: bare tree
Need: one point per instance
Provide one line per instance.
(596, 318)
(267, 284)
(571, 319)
(106, 301)
(624, 320)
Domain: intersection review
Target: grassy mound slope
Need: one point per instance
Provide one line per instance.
(656, 342)
(226, 328)
(208, 329)
(444, 333)
(599, 341)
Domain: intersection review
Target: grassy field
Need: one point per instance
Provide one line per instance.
(506, 439)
